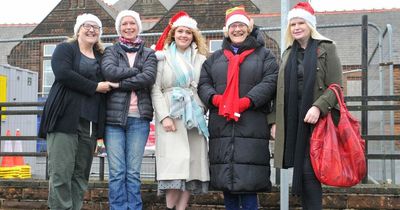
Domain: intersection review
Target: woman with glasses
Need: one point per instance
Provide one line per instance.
(237, 83)
(74, 113)
(133, 68)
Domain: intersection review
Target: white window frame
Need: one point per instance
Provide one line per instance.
(211, 42)
(48, 50)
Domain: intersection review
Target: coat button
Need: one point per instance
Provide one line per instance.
(320, 87)
(318, 68)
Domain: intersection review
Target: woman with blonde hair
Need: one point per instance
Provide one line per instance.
(309, 65)
(181, 130)
(74, 113)
(132, 67)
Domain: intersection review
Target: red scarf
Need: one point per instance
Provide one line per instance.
(229, 106)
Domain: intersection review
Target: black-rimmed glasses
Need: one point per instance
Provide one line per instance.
(88, 26)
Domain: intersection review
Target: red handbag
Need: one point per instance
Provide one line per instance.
(338, 153)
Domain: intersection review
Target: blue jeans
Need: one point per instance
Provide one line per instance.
(246, 201)
(125, 148)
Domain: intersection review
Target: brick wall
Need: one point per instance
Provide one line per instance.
(60, 22)
(31, 194)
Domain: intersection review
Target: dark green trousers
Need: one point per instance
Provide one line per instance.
(70, 158)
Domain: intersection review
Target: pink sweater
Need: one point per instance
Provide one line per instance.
(133, 108)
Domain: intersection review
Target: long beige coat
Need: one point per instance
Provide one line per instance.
(181, 154)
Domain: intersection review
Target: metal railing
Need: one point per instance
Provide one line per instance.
(36, 109)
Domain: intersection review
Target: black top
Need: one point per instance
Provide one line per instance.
(62, 110)
(300, 73)
(90, 68)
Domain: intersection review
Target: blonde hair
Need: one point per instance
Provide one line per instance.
(314, 34)
(98, 46)
(197, 38)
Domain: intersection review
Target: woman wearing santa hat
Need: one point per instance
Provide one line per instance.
(309, 65)
(133, 68)
(237, 83)
(74, 113)
(181, 130)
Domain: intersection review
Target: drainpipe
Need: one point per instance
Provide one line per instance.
(284, 173)
(391, 92)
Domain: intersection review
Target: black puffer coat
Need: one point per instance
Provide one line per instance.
(140, 78)
(238, 151)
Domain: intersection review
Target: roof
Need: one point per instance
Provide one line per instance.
(123, 4)
(208, 14)
(348, 39)
(12, 31)
(60, 21)
(108, 8)
(168, 4)
(5, 67)
(155, 9)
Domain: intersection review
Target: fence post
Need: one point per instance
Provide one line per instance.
(101, 169)
(284, 173)
(364, 85)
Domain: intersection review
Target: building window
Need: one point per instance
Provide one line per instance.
(148, 1)
(215, 45)
(48, 76)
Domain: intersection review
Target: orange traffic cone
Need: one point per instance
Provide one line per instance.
(18, 160)
(7, 161)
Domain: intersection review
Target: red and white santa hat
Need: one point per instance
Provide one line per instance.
(181, 18)
(236, 14)
(185, 21)
(303, 10)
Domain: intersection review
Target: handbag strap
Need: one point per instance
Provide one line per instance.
(337, 90)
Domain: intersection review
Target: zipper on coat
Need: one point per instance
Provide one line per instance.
(233, 152)
(90, 128)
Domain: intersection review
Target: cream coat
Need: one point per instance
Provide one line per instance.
(181, 154)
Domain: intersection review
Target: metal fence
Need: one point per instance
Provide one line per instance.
(382, 121)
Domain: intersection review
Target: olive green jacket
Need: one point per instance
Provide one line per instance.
(329, 70)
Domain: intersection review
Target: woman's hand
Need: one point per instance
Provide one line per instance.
(312, 115)
(103, 87)
(273, 130)
(114, 85)
(168, 124)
